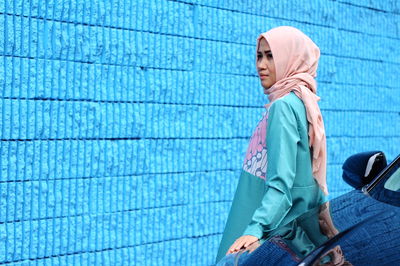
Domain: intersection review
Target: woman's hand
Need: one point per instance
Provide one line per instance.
(242, 242)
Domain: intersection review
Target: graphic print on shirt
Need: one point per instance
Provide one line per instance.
(255, 161)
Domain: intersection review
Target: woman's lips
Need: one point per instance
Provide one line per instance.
(264, 76)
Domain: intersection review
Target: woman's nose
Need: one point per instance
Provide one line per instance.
(261, 64)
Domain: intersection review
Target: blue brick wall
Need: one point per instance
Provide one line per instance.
(124, 123)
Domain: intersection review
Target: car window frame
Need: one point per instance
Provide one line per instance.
(383, 175)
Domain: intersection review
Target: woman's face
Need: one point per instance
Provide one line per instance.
(265, 65)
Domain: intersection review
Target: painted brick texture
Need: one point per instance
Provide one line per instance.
(124, 123)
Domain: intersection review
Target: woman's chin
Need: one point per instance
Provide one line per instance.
(265, 89)
(266, 85)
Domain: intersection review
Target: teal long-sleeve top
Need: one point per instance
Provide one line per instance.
(290, 188)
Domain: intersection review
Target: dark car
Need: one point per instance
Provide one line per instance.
(361, 227)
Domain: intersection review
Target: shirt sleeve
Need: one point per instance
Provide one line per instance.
(282, 139)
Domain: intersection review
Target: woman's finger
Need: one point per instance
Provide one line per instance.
(231, 249)
(237, 245)
(249, 242)
(241, 242)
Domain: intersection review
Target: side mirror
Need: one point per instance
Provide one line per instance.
(359, 169)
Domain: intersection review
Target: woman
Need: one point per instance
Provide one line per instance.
(284, 172)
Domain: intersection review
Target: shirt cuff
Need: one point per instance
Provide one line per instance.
(254, 229)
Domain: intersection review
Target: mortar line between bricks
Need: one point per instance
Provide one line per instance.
(207, 6)
(144, 68)
(124, 28)
(189, 70)
(212, 73)
(95, 215)
(358, 84)
(361, 58)
(108, 249)
(121, 139)
(124, 102)
(136, 175)
(191, 37)
(179, 104)
(358, 137)
(106, 64)
(366, 7)
(360, 111)
(179, 139)
(284, 19)
(182, 104)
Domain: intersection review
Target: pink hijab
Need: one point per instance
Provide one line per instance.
(296, 61)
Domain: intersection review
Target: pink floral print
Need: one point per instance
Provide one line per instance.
(255, 161)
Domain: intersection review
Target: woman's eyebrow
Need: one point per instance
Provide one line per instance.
(265, 51)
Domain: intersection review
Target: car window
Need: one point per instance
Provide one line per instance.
(393, 183)
(388, 179)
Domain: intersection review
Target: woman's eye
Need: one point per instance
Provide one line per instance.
(269, 56)
(259, 56)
